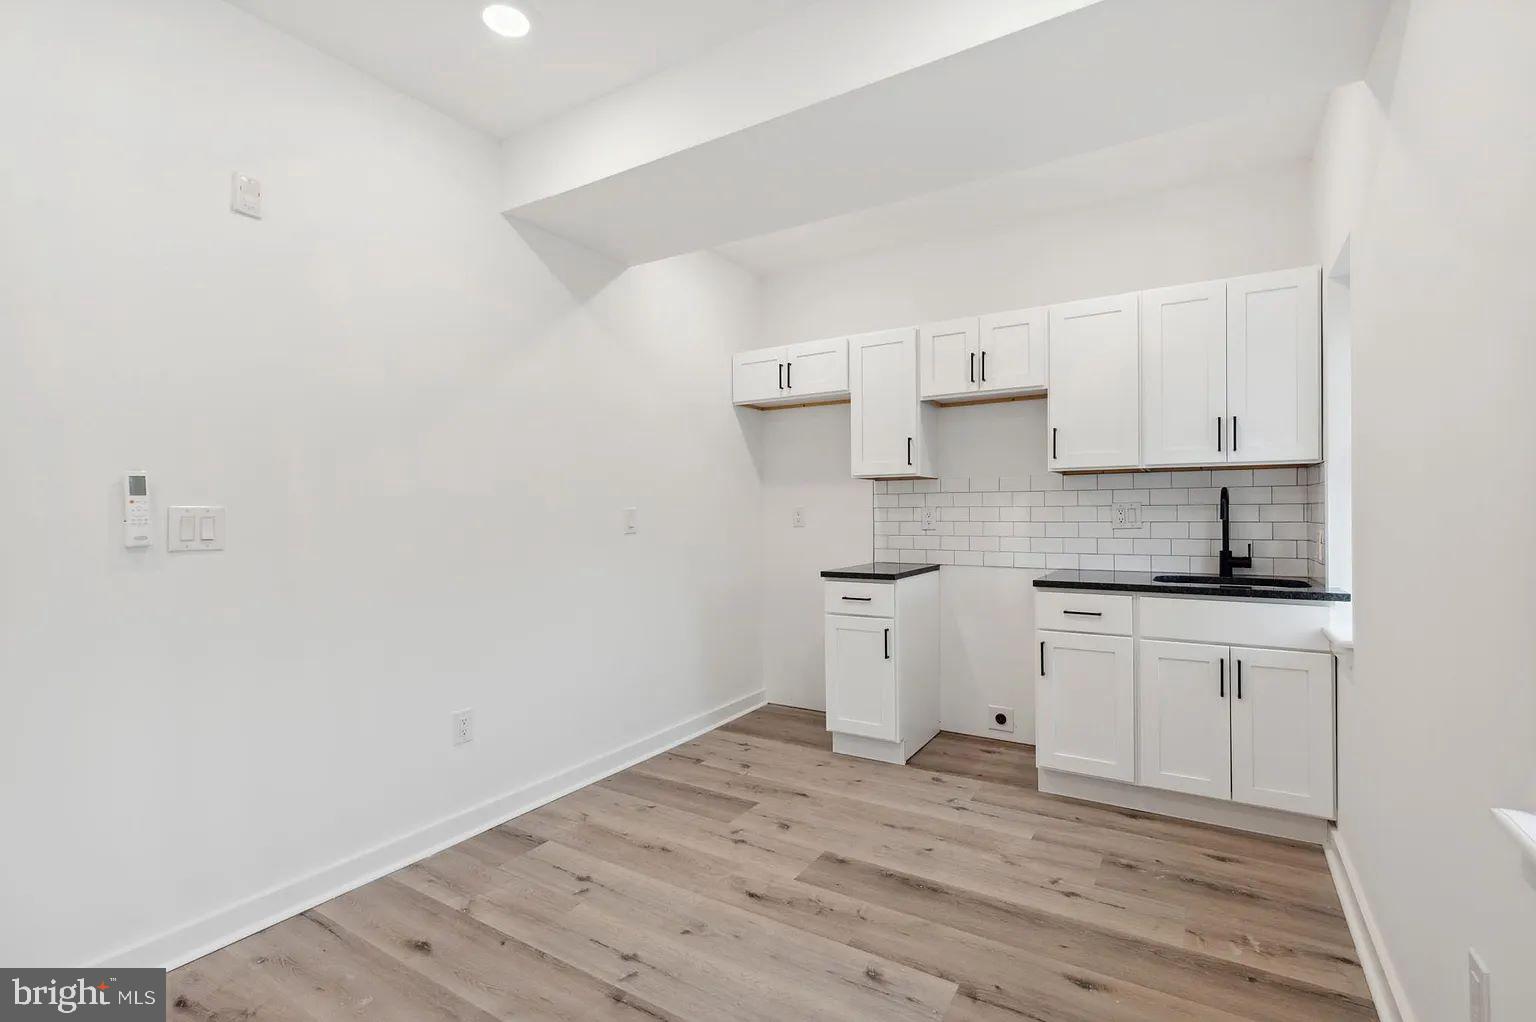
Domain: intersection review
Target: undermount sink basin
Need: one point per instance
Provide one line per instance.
(1250, 581)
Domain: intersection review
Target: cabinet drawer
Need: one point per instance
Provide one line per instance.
(868, 599)
(1103, 613)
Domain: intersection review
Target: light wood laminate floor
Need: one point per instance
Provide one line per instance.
(751, 874)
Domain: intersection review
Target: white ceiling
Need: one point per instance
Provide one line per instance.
(1276, 133)
(441, 53)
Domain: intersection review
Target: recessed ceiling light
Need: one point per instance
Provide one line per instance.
(507, 21)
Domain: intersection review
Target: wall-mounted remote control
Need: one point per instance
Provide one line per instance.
(136, 509)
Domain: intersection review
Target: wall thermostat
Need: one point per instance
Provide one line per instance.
(136, 509)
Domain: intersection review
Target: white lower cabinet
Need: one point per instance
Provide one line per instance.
(1283, 730)
(882, 663)
(861, 676)
(1183, 718)
(1242, 723)
(1086, 705)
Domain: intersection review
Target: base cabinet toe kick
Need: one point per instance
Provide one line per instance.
(1215, 710)
(882, 664)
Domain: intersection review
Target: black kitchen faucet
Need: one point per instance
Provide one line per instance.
(1228, 562)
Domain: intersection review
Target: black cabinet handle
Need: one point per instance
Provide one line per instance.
(909, 452)
(1218, 434)
(1234, 432)
(887, 643)
(983, 367)
(1084, 613)
(1042, 658)
(1239, 679)
(973, 367)
(789, 375)
(1053, 441)
(781, 375)
(1222, 663)
(859, 599)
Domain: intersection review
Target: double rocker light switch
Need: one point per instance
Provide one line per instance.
(194, 528)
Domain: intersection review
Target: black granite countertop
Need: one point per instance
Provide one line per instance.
(880, 571)
(1142, 582)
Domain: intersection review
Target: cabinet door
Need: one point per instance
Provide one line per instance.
(946, 358)
(882, 377)
(1183, 724)
(1094, 409)
(757, 376)
(1184, 375)
(1013, 351)
(1275, 367)
(817, 368)
(1282, 730)
(1085, 705)
(861, 676)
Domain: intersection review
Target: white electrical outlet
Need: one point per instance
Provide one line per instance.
(797, 518)
(245, 195)
(1480, 1005)
(1000, 718)
(930, 519)
(631, 521)
(463, 727)
(1127, 516)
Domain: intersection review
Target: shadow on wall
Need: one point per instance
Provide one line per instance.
(583, 271)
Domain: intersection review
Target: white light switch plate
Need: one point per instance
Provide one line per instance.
(194, 528)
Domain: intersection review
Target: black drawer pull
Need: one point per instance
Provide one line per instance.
(1042, 658)
(859, 599)
(789, 376)
(983, 367)
(1084, 613)
(1239, 679)
(887, 643)
(1218, 434)
(973, 367)
(1222, 663)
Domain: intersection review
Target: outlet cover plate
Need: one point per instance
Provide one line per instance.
(463, 727)
(1127, 516)
(1006, 725)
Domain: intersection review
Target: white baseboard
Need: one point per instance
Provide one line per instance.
(1380, 976)
(192, 940)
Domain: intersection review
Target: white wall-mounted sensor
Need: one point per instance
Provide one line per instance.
(245, 195)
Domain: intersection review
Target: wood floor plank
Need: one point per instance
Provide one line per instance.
(752, 874)
(785, 724)
(1194, 977)
(479, 963)
(679, 795)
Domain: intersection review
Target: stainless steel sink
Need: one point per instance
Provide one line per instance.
(1248, 581)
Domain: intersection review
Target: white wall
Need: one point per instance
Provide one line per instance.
(424, 440)
(1438, 723)
(1241, 224)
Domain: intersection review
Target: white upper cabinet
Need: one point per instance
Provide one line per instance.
(889, 427)
(1184, 726)
(1275, 367)
(810, 371)
(1093, 410)
(757, 376)
(1282, 730)
(947, 356)
(996, 355)
(1013, 353)
(816, 369)
(1184, 375)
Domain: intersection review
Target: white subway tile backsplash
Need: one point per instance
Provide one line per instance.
(1049, 520)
